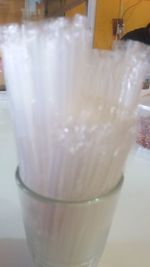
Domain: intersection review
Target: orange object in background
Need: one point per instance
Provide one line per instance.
(11, 11)
(135, 14)
(80, 9)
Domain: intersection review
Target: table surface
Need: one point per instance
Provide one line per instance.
(129, 240)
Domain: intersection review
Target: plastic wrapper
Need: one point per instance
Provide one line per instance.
(73, 106)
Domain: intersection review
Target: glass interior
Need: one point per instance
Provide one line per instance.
(35, 195)
(66, 234)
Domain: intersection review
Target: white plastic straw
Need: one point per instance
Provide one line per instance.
(73, 106)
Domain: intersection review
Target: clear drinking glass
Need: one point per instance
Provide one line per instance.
(62, 233)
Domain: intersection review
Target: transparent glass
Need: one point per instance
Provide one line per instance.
(62, 233)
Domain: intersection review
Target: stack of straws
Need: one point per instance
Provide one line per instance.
(73, 106)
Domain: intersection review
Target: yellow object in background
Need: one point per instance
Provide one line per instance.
(106, 10)
(138, 16)
(80, 9)
(135, 13)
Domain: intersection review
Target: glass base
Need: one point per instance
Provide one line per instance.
(92, 263)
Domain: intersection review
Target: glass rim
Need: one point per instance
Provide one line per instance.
(24, 188)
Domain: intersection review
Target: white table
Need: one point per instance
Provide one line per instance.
(129, 241)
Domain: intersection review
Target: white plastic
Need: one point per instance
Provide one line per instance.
(73, 106)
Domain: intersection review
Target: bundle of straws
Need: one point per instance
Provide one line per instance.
(73, 106)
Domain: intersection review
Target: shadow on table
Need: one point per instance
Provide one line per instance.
(126, 254)
(14, 253)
